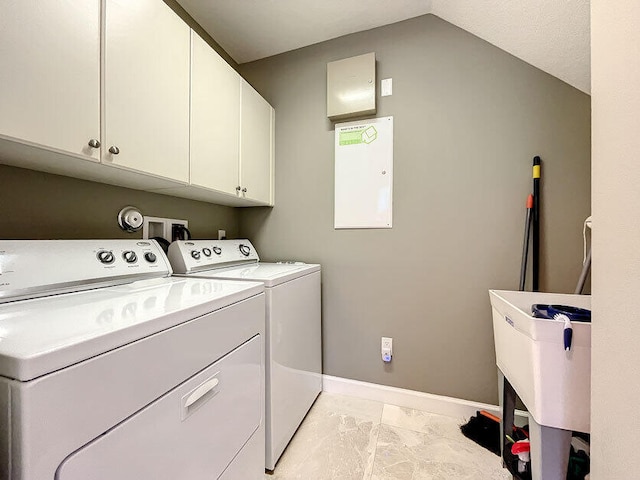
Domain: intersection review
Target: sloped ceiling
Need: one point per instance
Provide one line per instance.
(552, 35)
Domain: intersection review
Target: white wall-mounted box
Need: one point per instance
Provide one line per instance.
(351, 87)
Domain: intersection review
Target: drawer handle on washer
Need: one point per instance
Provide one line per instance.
(201, 391)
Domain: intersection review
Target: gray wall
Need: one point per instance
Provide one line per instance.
(468, 118)
(38, 205)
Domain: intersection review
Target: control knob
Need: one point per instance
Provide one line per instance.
(130, 256)
(207, 252)
(195, 254)
(217, 250)
(106, 257)
(245, 250)
(150, 257)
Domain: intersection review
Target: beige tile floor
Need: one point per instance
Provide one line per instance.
(347, 438)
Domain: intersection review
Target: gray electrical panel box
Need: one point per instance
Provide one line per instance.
(351, 87)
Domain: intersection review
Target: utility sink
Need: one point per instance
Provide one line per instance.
(554, 384)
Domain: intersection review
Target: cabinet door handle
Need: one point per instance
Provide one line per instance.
(93, 143)
(115, 150)
(238, 188)
(244, 190)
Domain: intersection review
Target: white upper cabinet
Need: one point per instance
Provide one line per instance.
(231, 132)
(50, 74)
(215, 119)
(146, 88)
(256, 146)
(129, 86)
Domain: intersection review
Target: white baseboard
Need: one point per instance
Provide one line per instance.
(452, 407)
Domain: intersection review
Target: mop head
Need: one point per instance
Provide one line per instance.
(483, 430)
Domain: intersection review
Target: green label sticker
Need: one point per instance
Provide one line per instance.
(357, 135)
(351, 137)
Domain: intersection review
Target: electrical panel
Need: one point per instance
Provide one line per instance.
(351, 87)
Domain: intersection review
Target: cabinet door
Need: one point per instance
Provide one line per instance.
(215, 119)
(50, 73)
(146, 82)
(256, 146)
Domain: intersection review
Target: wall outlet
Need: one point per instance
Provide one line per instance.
(222, 234)
(387, 349)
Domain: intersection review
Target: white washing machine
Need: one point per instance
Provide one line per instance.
(293, 327)
(110, 368)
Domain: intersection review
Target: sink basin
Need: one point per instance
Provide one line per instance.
(554, 384)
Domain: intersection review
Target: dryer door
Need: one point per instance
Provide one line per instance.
(191, 433)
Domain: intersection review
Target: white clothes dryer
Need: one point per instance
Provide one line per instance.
(110, 368)
(293, 327)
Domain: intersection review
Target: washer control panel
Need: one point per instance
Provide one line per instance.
(32, 268)
(188, 256)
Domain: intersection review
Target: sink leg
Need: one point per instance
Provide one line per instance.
(500, 403)
(508, 403)
(550, 448)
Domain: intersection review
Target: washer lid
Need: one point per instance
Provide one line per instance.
(42, 335)
(271, 274)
